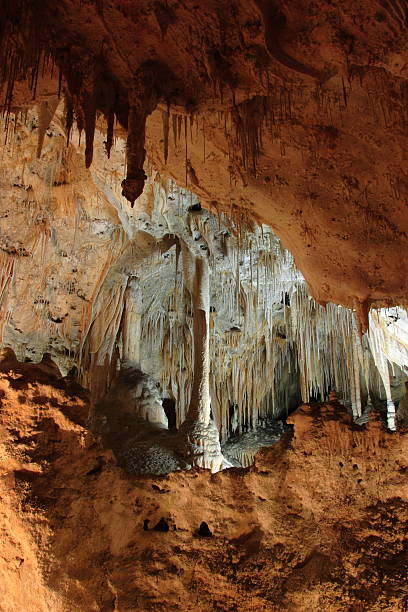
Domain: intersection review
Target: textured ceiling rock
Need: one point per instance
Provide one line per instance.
(295, 112)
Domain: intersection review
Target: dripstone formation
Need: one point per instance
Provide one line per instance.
(203, 291)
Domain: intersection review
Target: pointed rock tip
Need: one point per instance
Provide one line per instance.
(362, 308)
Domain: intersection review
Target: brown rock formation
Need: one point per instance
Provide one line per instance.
(319, 523)
(289, 113)
(295, 112)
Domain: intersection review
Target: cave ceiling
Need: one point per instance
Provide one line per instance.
(295, 112)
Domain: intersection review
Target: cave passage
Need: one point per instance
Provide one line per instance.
(169, 407)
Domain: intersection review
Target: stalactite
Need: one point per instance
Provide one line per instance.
(46, 111)
(259, 314)
(69, 116)
(88, 102)
(248, 119)
(144, 94)
(110, 120)
(165, 120)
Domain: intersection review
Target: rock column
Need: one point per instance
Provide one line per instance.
(199, 432)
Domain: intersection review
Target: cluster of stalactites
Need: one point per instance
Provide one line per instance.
(28, 55)
(266, 331)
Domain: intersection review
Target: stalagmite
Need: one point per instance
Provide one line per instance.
(178, 300)
(202, 445)
(131, 332)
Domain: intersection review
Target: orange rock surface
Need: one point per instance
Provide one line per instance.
(319, 523)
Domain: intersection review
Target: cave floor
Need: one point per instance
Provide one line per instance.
(318, 523)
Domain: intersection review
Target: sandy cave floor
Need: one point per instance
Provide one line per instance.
(319, 523)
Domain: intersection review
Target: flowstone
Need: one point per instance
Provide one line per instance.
(201, 445)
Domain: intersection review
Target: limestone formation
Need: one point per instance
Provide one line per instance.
(211, 307)
(292, 112)
(202, 237)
